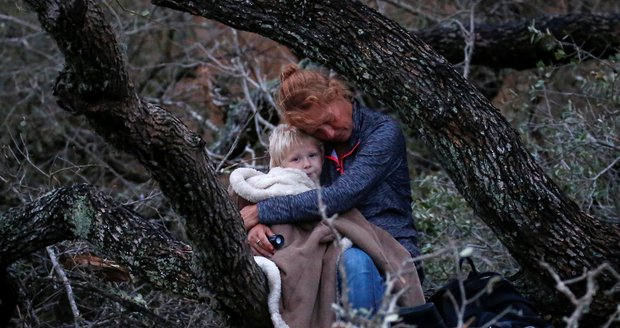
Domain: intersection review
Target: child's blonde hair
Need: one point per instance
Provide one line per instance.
(283, 139)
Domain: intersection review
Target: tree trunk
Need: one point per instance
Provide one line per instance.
(95, 84)
(477, 147)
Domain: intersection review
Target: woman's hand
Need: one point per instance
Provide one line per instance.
(257, 238)
(250, 216)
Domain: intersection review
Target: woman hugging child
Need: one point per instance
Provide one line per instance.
(308, 261)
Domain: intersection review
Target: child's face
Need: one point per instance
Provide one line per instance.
(307, 157)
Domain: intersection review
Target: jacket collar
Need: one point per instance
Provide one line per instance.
(358, 120)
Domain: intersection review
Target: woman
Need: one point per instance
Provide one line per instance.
(365, 168)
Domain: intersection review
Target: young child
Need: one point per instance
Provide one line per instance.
(309, 287)
(296, 161)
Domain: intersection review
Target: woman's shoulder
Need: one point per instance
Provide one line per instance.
(379, 125)
(372, 118)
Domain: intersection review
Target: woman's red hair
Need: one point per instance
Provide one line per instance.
(300, 89)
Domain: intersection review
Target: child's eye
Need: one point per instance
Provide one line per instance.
(312, 155)
(294, 159)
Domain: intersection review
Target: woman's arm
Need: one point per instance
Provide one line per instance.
(374, 162)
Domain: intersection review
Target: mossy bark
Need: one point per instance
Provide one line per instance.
(82, 212)
(516, 45)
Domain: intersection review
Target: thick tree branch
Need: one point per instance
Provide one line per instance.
(517, 44)
(82, 212)
(95, 85)
(94, 61)
(476, 146)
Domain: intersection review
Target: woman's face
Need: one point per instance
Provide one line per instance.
(336, 127)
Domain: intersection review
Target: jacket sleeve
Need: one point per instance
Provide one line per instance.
(379, 151)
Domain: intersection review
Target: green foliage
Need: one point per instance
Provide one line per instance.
(448, 226)
(573, 130)
(438, 206)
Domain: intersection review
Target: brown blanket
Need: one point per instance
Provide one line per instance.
(308, 260)
(308, 267)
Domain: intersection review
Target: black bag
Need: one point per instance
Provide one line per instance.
(493, 302)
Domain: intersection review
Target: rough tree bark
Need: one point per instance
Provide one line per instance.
(477, 147)
(95, 84)
(514, 45)
(81, 212)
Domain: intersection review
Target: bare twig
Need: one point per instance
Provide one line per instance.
(469, 35)
(134, 304)
(65, 282)
(582, 304)
(606, 169)
(20, 22)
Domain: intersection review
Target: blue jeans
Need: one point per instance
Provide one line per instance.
(365, 286)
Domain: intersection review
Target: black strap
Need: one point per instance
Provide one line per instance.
(474, 271)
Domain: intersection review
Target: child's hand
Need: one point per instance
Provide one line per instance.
(257, 238)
